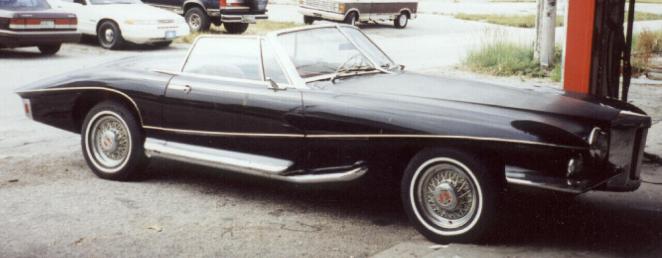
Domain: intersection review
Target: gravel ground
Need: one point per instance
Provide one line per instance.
(51, 205)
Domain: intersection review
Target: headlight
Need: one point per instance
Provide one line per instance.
(598, 141)
(140, 22)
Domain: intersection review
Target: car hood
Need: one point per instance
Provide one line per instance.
(414, 86)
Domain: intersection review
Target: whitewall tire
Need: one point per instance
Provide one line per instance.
(112, 142)
(449, 195)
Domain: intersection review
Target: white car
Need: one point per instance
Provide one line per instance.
(115, 22)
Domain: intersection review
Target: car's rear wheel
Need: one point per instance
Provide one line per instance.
(449, 195)
(401, 21)
(112, 142)
(50, 49)
(308, 20)
(352, 18)
(110, 35)
(197, 19)
(235, 27)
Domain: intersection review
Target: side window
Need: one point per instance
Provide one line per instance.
(227, 57)
(272, 69)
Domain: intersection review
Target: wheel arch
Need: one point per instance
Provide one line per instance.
(191, 4)
(101, 21)
(88, 99)
(495, 160)
(406, 11)
(353, 10)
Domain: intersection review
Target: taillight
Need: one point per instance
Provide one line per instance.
(27, 107)
(66, 23)
(35, 23)
(226, 3)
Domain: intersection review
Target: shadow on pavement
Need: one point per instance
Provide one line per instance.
(26, 52)
(592, 223)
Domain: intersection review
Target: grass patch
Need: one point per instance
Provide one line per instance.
(521, 21)
(504, 58)
(260, 28)
(529, 21)
(645, 45)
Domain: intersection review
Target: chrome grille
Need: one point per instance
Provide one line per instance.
(320, 4)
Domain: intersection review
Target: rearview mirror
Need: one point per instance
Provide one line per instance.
(274, 85)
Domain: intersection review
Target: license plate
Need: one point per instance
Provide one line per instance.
(47, 24)
(170, 34)
(248, 19)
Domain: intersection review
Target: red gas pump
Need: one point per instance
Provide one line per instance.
(598, 48)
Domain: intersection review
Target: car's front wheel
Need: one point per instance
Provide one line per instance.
(110, 35)
(235, 27)
(401, 21)
(449, 195)
(112, 142)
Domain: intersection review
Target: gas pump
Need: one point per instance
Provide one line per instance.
(598, 47)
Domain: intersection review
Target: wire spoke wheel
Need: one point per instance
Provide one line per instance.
(446, 196)
(109, 141)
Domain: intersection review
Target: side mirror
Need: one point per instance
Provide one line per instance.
(274, 85)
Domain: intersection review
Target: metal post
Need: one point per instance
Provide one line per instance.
(536, 43)
(627, 66)
(548, 29)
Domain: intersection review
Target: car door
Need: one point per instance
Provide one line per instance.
(221, 100)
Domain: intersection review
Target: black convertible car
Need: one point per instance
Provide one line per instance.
(29, 23)
(324, 104)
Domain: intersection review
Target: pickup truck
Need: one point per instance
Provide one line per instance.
(234, 15)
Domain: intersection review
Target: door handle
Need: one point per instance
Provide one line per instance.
(185, 88)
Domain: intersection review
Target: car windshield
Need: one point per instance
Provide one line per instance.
(104, 2)
(332, 50)
(24, 5)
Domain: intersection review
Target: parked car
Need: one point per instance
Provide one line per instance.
(354, 11)
(116, 22)
(324, 104)
(29, 23)
(235, 15)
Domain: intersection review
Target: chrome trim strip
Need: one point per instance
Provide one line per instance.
(230, 134)
(355, 136)
(630, 113)
(230, 160)
(244, 163)
(91, 88)
(326, 178)
(437, 136)
(528, 183)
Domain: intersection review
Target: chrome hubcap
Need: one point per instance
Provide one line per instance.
(195, 21)
(110, 141)
(109, 35)
(447, 196)
(403, 20)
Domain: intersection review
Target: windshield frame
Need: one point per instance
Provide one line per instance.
(290, 68)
